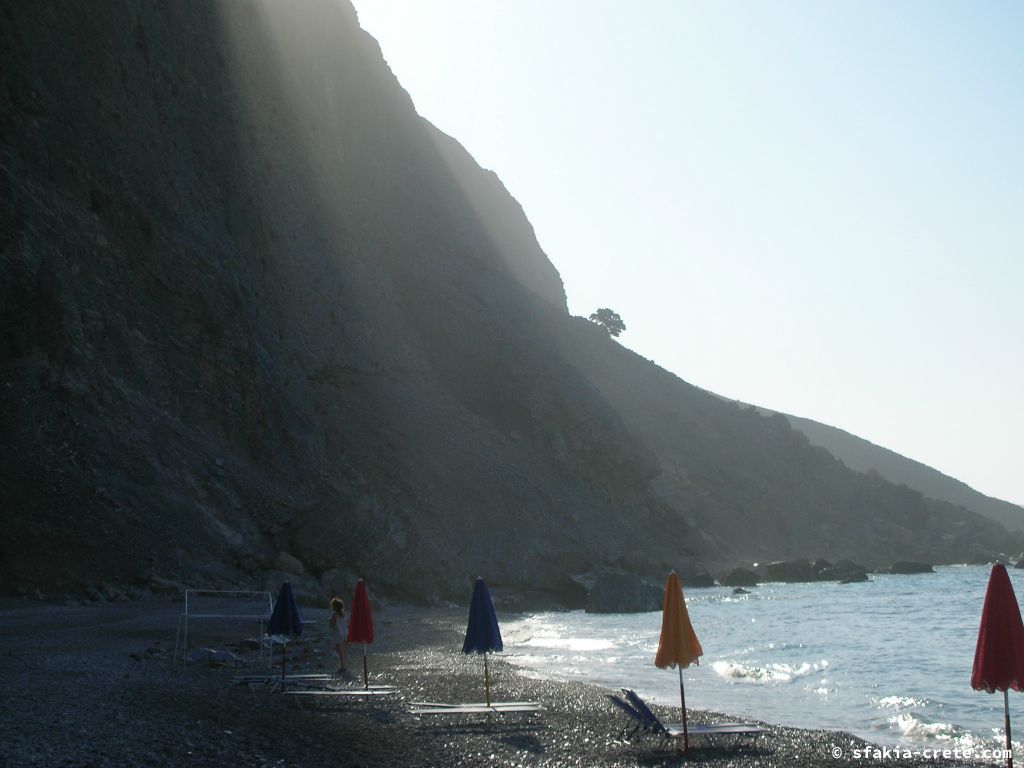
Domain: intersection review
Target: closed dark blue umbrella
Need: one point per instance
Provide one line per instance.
(286, 618)
(482, 633)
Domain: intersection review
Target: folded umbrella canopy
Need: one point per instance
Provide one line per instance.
(286, 619)
(678, 645)
(999, 655)
(482, 633)
(360, 625)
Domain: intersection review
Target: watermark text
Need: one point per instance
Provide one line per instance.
(905, 753)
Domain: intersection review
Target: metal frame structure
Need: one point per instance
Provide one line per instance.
(186, 616)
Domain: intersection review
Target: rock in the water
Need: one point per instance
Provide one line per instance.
(697, 577)
(854, 578)
(623, 593)
(845, 572)
(740, 591)
(791, 571)
(906, 567)
(739, 577)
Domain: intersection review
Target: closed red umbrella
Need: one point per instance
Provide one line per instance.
(999, 655)
(360, 624)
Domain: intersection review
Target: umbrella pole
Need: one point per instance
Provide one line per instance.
(284, 659)
(366, 675)
(682, 702)
(487, 682)
(1006, 710)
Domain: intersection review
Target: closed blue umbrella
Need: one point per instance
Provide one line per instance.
(482, 633)
(286, 619)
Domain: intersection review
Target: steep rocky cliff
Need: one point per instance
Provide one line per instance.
(252, 304)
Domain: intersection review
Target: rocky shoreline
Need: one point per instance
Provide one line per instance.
(95, 686)
(600, 590)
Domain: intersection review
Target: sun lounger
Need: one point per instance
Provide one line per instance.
(498, 704)
(495, 708)
(327, 693)
(329, 685)
(473, 708)
(641, 723)
(650, 723)
(724, 729)
(276, 682)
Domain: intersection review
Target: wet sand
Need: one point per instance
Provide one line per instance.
(94, 685)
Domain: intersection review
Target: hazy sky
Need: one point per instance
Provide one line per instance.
(813, 207)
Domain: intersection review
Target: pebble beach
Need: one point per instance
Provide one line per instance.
(95, 685)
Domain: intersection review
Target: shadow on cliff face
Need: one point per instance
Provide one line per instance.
(473, 441)
(251, 308)
(454, 397)
(253, 304)
(138, 426)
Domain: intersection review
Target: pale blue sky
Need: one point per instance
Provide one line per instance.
(817, 207)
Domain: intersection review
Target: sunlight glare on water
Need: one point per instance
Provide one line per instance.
(889, 660)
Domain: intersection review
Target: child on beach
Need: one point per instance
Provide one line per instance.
(338, 631)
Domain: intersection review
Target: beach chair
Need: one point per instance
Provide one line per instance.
(651, 723)
(275, 683)
(477, 708)
(640, 722)
(310, 686)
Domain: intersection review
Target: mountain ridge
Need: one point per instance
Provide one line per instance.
(863, 455)
(866, 457)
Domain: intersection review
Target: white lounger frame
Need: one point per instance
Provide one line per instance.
(187, 616)
(476, 708)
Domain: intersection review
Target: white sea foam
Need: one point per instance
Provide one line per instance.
(579, 644)
(825, 687)
(769, 674)
(914, 727)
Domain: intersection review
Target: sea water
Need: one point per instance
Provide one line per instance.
(888, 660)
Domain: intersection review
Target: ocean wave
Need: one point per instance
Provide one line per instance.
(770, 674)
(570, 643)
(914, 727)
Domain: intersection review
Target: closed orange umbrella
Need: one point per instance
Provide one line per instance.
(678, 645)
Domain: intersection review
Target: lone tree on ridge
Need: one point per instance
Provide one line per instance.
(609, 320)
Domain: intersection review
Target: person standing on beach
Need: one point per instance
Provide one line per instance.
(338, 631)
